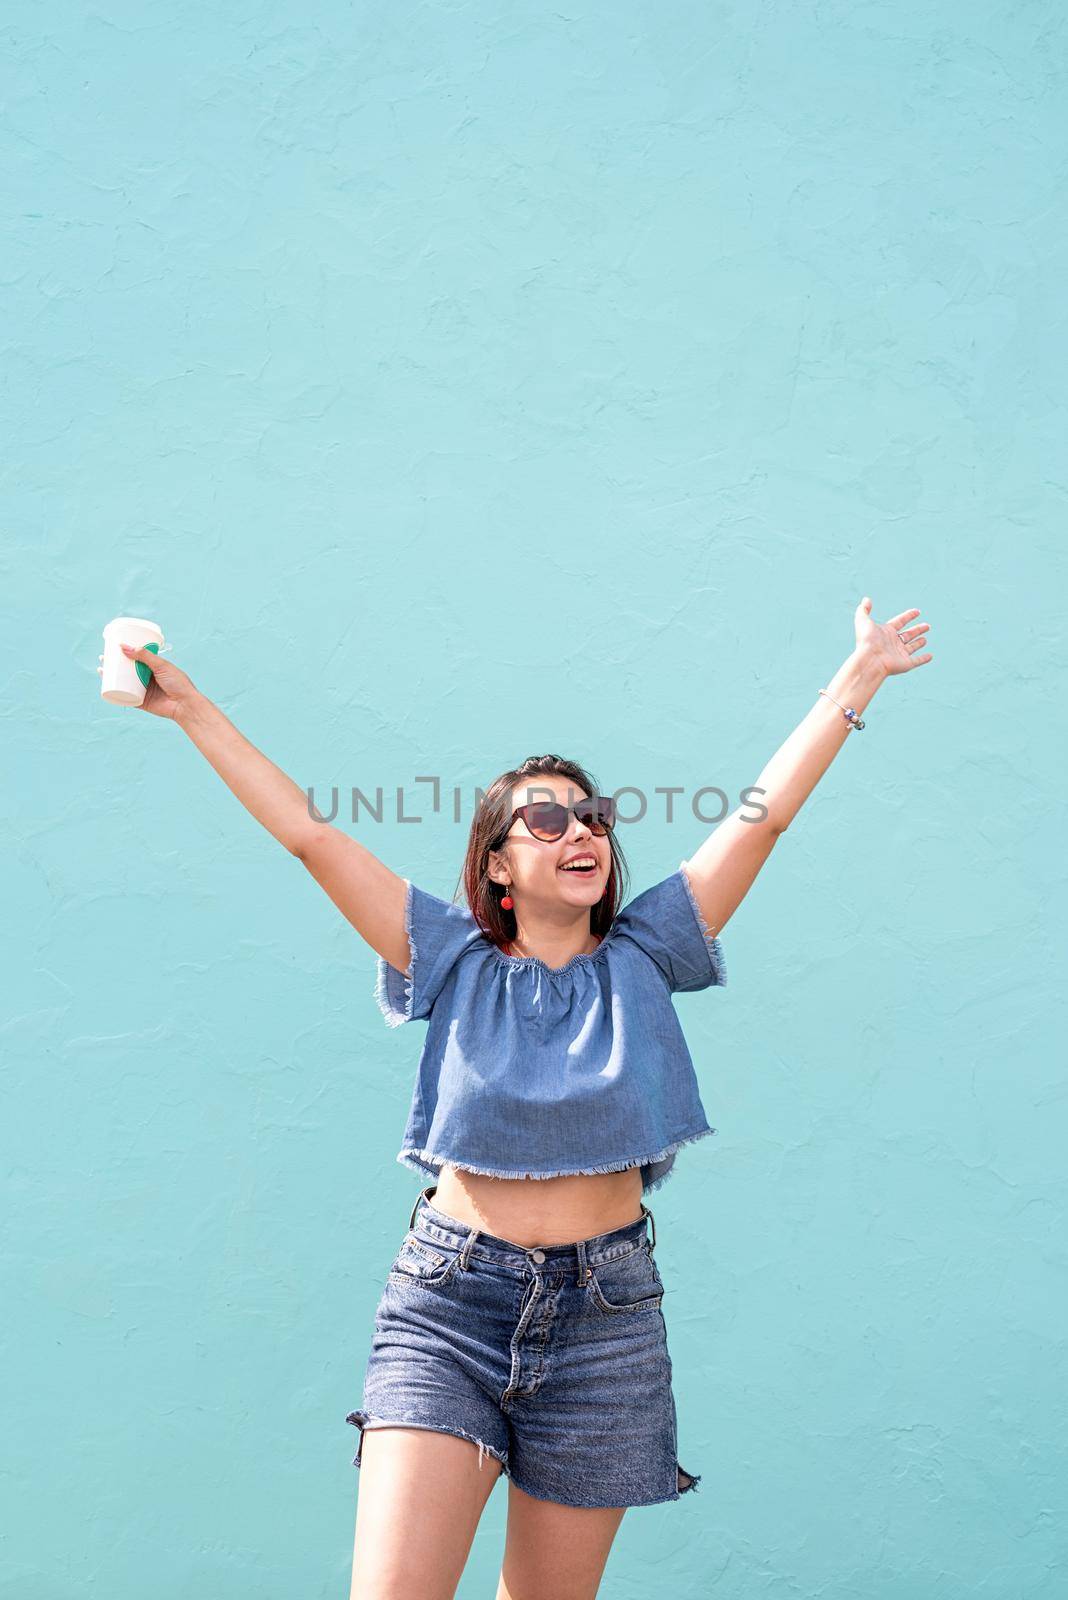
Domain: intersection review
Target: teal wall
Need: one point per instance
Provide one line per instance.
(457, 382)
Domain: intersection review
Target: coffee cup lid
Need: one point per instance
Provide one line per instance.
(133, 622)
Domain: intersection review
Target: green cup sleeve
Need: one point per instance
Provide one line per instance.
(145, 672)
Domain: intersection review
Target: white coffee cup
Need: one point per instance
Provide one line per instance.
(119, 679)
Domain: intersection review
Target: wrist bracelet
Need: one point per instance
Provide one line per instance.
(847, 711)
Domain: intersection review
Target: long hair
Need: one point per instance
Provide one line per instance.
(487, 828)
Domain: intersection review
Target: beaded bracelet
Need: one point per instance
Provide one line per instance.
(847, 711)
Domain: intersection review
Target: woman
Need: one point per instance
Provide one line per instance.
(520, 1328)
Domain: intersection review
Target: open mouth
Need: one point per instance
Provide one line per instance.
(580, 871)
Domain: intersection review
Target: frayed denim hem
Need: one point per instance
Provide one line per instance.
(426, 1161)
(364, 1419)
(712, 944)
(393, 1009)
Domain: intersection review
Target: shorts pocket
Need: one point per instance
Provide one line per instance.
(626, 1283)
(417, 1261)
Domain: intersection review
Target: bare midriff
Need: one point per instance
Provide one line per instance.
(541, 1211)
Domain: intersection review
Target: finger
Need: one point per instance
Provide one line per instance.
(865, 605)
(919, 661)
(903, 617)
(914, 633)
(149, 657)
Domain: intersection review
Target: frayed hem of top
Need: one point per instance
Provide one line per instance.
(428, 1161)
(394, 1017)
(712, 944)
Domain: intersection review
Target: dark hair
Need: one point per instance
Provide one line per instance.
(489, 823)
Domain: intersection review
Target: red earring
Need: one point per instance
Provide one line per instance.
(507, 903)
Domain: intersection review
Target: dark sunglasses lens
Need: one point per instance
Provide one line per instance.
(547, 820)
(598, 814)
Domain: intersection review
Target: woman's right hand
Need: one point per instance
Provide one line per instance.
(170, 692)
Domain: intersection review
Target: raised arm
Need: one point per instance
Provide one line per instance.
(362, 887)
(724, 868)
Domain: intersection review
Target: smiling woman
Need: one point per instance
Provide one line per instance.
(554, 1053)
(553, 1091)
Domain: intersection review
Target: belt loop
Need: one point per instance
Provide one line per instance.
(652, 1242)
(422, 1196)
(465, 1253)
(583, 1269)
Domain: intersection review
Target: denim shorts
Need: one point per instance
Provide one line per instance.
(554, 1361)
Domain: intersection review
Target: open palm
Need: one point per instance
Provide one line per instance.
(892, 644)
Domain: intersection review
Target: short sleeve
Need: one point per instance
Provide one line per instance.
(666, 923)
(438, 933)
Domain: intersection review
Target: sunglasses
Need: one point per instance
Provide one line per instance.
(547, 819)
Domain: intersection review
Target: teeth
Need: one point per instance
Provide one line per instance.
(587, 861)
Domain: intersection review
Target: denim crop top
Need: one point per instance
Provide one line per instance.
(533, 1071)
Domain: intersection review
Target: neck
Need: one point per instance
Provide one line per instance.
(553, 957)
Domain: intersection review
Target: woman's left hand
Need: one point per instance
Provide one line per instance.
(892, 650)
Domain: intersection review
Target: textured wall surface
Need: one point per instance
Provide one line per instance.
(458, 382)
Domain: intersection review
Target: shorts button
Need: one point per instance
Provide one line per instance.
(538, 1256)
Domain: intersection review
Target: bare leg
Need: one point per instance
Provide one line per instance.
(421, 1494)
(555, 1550)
